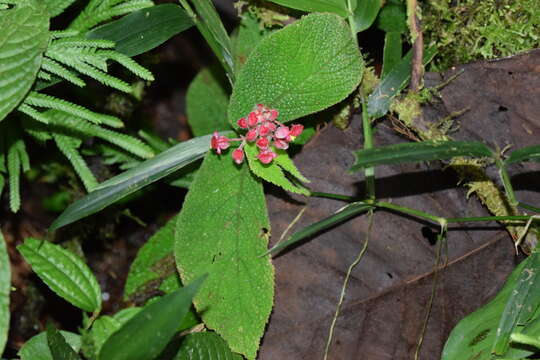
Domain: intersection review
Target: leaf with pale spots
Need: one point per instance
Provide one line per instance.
(222, 231)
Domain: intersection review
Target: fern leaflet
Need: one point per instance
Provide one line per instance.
(68, 146)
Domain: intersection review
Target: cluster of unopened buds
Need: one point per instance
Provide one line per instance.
(264, 130)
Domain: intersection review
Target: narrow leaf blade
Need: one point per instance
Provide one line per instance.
(23, 39)
(341, 215)
(416, 152)
(205, 346)
(222, 231)
(529, 153)
(334, 6)
(144, 29)
(64, 272)
(147, 172)
(5, 288)
(380, 99)
(147, 333)
(60, 349)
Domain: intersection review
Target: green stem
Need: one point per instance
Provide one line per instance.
(489, 218)
(350, 20)
(414, 212)
(505, 178)
(333, 196)
(368, 144)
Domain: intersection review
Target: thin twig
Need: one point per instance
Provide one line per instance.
(345, 283)
(417, 71)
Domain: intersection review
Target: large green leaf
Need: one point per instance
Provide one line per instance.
(380, 99)
(64, 272)
(144, 29)
(23, 39)
(128, 182)
(207, 99)
(59, 347)
(365, 13)
(205, 346)
(222, 231)
(147, 333)
(416, 152)
(5, 288)
(473, 336)
(37, 347)
(304, 68)
(529, 153)
(522, 303)
(245, 38)
(334, 6)
(339, 216)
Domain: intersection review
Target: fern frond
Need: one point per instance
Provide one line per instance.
(58, 34)
(126, 142)
(33, 113)
(14, 174)
(115, 156)
(68, 147)
(77, 41)
(60, 71)
(23, 155)
(91, 17)
(41, 100)
(129, 64)
(37, 130)
(154, 141)
(73, 57)
(43, 75)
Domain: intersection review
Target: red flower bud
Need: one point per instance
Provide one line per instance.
(238, 155)
(262, 143)
(282, 132)
(219, 143)
(252, 119)
(281, 144)
(242, 122)
(266, 156)
(264, 130)
(296, 129)
(251, 135)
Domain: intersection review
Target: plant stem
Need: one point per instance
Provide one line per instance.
(333, 196)
(489, 218)
(405, 210)
(350, 20)
(368, 144)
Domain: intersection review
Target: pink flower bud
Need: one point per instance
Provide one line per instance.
(282, 132)
(273, 115)
(266, 156)
(238, 155)
(219, 143)
(252, 119)
(242, 122)
(251, 135)
(296, 129)
(262, 143)
(264, 130)
(270, 125)
(281, 144)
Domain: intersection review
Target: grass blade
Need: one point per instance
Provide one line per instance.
(416, 152)
(529, 153)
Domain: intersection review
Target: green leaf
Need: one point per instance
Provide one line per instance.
(213, 31)
(275, 172)
(334, 6)
(246, 37)
(105, 326)
(473, 336)
(128, 182)
(522, 303)
(339, 216)
(147, 333)
(207, 99)
(529, 153)
(60, 349)
(304, 68)
(222, 231)
(416, 152)
(145, 29)
(23, 39)
(5, 288)
(64, 272)
(392, 52)
(205, 346)
(366, 13)
(56, 7)
(393, 18)
(37, 347)
(380, 99)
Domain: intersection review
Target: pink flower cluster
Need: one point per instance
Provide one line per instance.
(264, 130)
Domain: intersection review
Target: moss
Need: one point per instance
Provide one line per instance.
(269, 15)
(468, 30)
